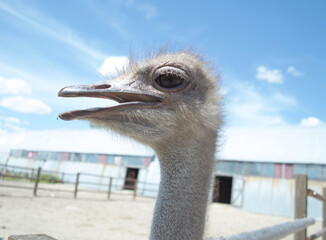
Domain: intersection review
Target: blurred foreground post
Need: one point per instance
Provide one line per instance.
(301, 183)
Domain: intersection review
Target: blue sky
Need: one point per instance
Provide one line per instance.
(271, 55)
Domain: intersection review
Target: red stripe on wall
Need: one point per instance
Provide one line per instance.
(102, 158)
(278, 170)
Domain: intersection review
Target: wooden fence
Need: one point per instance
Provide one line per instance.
(34, 175)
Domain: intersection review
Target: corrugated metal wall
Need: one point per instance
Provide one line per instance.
(274, 196)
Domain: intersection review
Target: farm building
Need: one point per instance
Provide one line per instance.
(119, 166)
(92, 152)
(255, 169)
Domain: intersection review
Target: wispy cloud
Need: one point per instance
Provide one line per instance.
(149, 11)
(119, 17)
(11, 124)
(249, 106)
(13, 127)
(12, 120)
(112, 65)
(284, 99)
(52, 28)
(271, 76)
(291, 70)
(25, 105)
(14, 86)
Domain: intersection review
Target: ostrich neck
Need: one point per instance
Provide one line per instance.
(186, 168)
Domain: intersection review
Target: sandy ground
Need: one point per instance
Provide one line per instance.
(92, 216)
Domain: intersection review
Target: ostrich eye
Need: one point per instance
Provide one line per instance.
(169, 78)
(169, 81)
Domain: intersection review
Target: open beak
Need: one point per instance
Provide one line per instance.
(128, 97)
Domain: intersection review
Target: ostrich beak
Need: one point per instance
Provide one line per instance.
(127, 96)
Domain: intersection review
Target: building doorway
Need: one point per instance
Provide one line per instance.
(222, 189)
(131, 178)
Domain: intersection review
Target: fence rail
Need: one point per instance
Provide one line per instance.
(314, 194)
(272, 233)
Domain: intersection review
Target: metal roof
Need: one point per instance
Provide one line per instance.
(277, 144)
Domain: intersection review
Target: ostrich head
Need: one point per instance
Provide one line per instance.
(160, 99)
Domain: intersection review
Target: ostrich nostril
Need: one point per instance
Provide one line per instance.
(102, 86)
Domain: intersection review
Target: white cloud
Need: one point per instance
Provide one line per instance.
(112, 65)
(271, 76)
(291, 70)
(14, 86)
(25, 105)
(310, 122)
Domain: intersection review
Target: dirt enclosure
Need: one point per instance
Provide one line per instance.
(92, 216)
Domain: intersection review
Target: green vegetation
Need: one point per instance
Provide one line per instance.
(48, 178)
(44, 178)
(11, 176)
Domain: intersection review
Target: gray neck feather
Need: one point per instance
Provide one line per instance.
(186, 171)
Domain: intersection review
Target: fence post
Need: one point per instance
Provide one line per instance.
(37, 181)
(324, 212)
(301, 183)
(110, 186)
(135, 188)
(76, 185)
